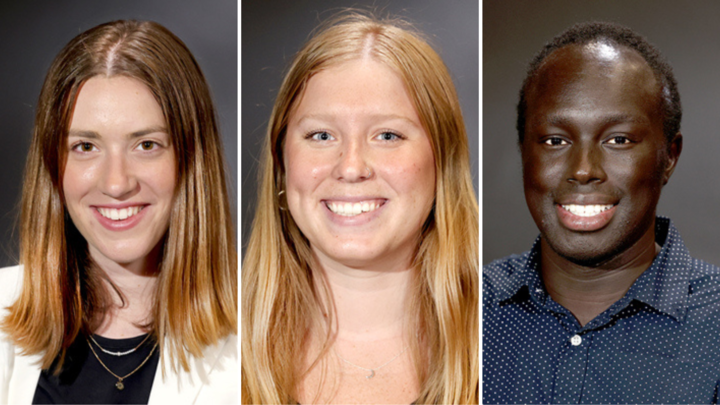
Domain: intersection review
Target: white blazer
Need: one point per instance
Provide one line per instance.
(212, 379)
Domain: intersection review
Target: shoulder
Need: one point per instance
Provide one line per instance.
(10, 284)
(705, 278)
(498, 275)
(702, 293)
(212, 378)
(224, 351)
(702, 267)
(223, 372)
(503, 269)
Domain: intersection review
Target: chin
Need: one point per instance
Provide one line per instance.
(588, 259)
(354, 259)
(589, 251)
(122, 254)
(353, 255)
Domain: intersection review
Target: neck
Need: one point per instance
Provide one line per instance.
(136, 282)
(589, 291)
(370, 315)
(369, 304)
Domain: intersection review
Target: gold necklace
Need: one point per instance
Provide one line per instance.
(119, 385)
(119, 353)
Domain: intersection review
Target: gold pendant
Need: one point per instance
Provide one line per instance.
(119, 385)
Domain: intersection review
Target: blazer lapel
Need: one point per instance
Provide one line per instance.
(24, 380)
(186, 387)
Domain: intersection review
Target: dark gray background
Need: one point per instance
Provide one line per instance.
(273, 31)
(688, 35)
(33, 32)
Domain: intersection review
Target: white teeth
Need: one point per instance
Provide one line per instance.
(350, 209)
(119, 214)
(586, 210)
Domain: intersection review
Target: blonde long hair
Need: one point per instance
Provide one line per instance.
(63, 294)
(280, 302)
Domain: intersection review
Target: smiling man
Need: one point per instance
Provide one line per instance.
(607, 306)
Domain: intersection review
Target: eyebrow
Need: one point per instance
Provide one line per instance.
(377, 117)
(563, 120)
(136, 134)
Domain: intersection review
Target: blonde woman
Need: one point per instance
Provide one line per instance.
(126, 289)
(360, 282)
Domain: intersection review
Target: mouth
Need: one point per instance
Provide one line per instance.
(586, 210)
(121, 214)
(586, 217)
(352, 209)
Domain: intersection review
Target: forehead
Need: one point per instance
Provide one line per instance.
(594, 78)
(359, 87)
(115, 105)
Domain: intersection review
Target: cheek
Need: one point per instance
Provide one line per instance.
(165, 184)
(540, 176)
(413, 175)
(161, 176)
(639, 176)
(303, 172)
(297, 175)
(77, 180)
(166, 175)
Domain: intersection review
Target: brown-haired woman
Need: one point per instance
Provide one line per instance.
(360, 282)
(126, 289)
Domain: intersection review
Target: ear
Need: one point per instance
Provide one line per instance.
(674, 150)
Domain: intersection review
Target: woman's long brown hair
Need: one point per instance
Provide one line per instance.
(63, 294)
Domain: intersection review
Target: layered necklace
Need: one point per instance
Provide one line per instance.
(118, 354)
(120, 385)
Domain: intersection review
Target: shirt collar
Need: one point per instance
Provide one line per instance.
(525, 275)
(665, 285)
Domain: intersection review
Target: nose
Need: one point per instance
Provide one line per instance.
(353, 162)
(586, 165)
(118, 178)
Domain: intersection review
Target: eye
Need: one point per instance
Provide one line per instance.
(555, 141)
(148, 145)
(619, 140)
(84, 147)
(321, 136)
(389, 136)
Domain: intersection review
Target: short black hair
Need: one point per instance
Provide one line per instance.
(586, 32)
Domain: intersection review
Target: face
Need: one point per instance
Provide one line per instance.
(360, 172)
(119, 177)
(594, 156)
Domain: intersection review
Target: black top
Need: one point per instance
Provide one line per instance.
(83, 380)
(660, 343)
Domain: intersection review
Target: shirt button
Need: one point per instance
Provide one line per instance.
(576, 340)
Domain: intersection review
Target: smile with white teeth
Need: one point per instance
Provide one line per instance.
(119, 214)
(586, 210)
(352, 209)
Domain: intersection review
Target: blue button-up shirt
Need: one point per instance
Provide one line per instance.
(660, 343)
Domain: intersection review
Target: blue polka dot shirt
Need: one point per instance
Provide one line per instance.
(660, 343)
